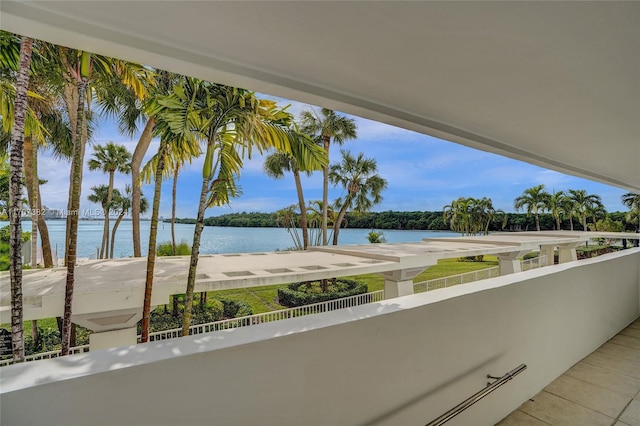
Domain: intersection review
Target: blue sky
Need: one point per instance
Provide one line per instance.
(423, 173)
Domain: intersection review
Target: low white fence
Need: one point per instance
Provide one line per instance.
(468, 277)
(46, 355)
(316, 308)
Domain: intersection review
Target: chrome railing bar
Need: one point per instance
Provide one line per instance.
(477, 396)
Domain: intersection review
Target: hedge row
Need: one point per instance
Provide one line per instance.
(291, 295)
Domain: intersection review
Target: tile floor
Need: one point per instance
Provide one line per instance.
(602, 389)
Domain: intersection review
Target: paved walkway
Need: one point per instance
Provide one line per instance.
(602, 389)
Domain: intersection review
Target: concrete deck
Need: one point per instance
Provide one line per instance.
(602, 389)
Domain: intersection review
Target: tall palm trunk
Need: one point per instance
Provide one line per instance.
(32, 195)
(174, 188)
(15, 196)
(153, 233)
(114, 230)
(47, 258)
(72, 216)
(195, 251)
(105, 229)
(325, 191)
(537, 221)
(341, 214)
(136, 163)
(303, 209)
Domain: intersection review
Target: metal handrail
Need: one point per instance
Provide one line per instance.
(477, 396)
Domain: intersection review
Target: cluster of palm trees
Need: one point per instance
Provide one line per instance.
(574, 203)
(357, 175)
(47, 92)
(471, 216)
(112, 158)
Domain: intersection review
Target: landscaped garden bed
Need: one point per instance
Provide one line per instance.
(306, 293)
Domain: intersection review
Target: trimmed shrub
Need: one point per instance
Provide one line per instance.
(235, 308)
(307, 293)
(166, 249)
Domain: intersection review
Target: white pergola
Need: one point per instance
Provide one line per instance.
(109, 294)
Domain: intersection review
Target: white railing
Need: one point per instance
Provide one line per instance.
(536, 262)
(46, 355)
(468, 277)
(316, 308)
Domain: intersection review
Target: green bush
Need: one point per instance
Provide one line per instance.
(479, 258)
(307, 293)
(215, 310)
(236, 308)
(166, 249)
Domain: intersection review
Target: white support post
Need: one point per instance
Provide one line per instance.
(567, 252)
(400, 283)
(113, 338)
(549, 252)
(509, 263)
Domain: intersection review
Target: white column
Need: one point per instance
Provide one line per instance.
(112, 339)
(400, 283)
(509, 263)
(549, 252)
(567, 252)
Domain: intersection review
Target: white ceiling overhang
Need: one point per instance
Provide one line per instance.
(555, 84)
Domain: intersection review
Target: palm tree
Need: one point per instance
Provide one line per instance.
(485, 214)
(533, 200)
(130, 108)
(287, 218)
(555, 203)
(632, 202)
(314, 212)
(231, 122)
(100, 195)
(584, 205)
(15, 196)
(110, 159)
(179, 152)
(328, 127)
(274, 166)
(358, 177)
(468, 215)
(163, 151)
(40, 105)
(122, 203)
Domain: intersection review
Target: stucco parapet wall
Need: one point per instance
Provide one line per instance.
(106, 285)
(26, 375)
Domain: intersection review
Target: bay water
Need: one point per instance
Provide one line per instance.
(214, 239)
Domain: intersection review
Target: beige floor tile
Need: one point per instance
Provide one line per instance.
(558, 411)
(613, 363)
(631, 415)
(633, 332)
(588, 395)
(623, 384)
(625, 352)
(619, 423)
(519, 418)
(623, 340)
(635, 324)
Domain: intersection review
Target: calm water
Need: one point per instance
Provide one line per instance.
(214, 239)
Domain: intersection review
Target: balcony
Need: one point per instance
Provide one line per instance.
(399, 361)
(601, 389)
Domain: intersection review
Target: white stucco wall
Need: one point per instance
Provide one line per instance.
(400, 361)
